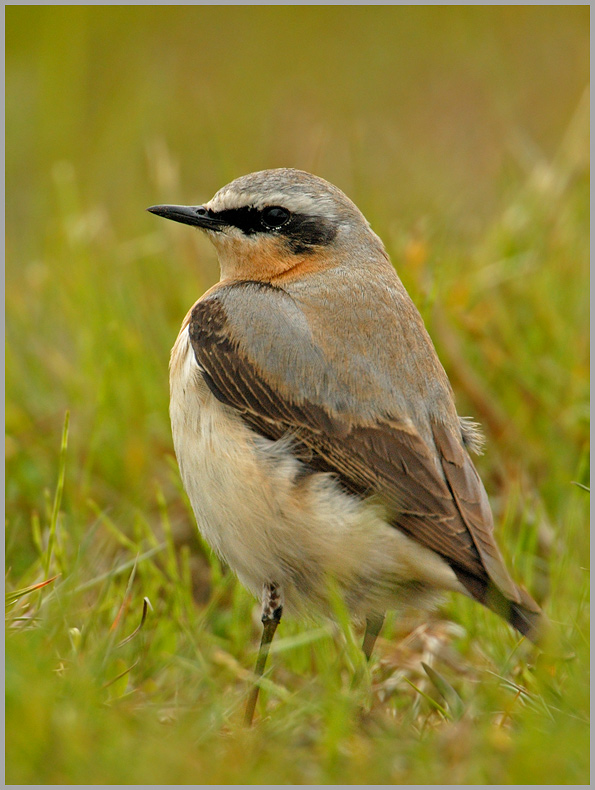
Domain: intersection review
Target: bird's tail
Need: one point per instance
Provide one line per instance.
(526, 616)
(523, 614)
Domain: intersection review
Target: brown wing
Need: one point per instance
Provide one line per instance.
(449, 515)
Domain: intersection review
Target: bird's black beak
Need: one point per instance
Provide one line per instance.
(190, 215)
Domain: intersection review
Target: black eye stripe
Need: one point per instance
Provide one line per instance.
(247, 218)
(252, 220)
(302, 232)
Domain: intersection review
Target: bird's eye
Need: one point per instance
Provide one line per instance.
(275, 216)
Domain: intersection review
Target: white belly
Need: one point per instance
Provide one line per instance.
(269, 524)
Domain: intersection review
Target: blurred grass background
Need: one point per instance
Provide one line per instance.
(462, 133)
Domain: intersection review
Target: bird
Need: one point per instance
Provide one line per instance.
(314, 426)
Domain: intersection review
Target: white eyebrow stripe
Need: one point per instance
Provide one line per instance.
(298, 203)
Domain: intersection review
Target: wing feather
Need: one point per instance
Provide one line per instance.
(449, 513)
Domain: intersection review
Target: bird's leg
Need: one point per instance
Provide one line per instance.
(374, 623)
(272, 609)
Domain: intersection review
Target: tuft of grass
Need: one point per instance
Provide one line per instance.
(463, 135)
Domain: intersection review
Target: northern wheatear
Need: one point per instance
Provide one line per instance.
(314, 426)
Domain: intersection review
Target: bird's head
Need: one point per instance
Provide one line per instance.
(268, 224)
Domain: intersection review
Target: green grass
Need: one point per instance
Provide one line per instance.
(462, 133)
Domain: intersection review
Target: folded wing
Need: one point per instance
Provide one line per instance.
(448, 513)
